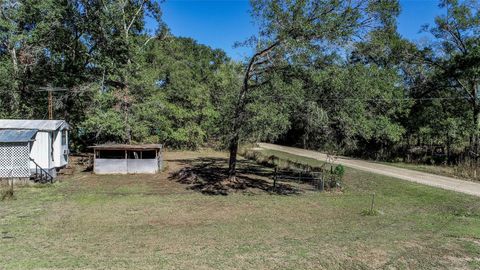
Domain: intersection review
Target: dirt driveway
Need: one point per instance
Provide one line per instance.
(433, 180)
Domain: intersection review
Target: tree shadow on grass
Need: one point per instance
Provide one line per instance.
(210, 176)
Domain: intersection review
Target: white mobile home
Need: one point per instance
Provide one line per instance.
(32, 147)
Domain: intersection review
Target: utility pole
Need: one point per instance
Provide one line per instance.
(50, 105)
(50, 91)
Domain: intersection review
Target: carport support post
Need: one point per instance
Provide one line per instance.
(95, 158)
(322, 185)
(158, 156)
(126, 161)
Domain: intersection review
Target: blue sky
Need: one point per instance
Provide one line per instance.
(220, 23)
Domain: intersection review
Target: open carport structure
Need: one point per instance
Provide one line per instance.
(127, 159)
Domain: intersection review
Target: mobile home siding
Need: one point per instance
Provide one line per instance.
(41, 150)
(60, 159)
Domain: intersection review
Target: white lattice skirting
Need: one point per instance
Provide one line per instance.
(14, 160)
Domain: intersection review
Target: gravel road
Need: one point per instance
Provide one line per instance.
(428, 179)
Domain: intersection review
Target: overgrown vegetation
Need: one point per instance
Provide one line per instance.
(6, 193)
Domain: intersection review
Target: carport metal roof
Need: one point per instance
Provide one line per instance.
(12, 135)
(137, 147)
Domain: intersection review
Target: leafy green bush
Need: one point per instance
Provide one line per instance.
(339, 171)
(335, 177)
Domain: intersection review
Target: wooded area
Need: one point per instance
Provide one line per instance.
(329, 75)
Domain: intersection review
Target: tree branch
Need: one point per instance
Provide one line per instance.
(135, 16)
(455, 34)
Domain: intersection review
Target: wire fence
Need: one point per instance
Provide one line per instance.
(314, 178)
(325, 179)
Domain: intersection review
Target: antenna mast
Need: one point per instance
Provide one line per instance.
(50, 91)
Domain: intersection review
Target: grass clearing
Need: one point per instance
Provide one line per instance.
(153, 222)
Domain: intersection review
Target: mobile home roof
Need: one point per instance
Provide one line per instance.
(42, 125)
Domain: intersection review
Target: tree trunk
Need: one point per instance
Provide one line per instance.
(475, 144)
(475, 136)
(232, 162)
(126, 112)
(127, 101)
(234, 140)
(233, 144)
(239, 110)
(237, 122)
(13, 53)
(449, 147)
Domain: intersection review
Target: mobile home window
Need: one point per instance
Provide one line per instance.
(64, 137)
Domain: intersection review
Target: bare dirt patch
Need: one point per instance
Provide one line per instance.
(144, 184)
(184, 172)
(209, 175)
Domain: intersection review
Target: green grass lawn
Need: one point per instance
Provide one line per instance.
(151, 222)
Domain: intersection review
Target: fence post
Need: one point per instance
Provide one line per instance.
(373, 203)
(322, 184)
(9, 191)
(275, 178)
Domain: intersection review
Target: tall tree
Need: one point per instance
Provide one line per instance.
(28, 34)
(291, 28)
(457, 56)
(117, 37)
(176, 96)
